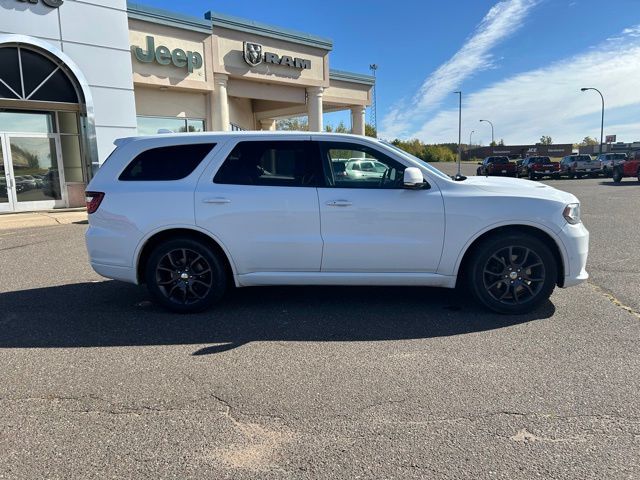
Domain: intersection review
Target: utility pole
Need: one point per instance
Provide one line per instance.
(459, 174)
(602, 120)
(490, 123)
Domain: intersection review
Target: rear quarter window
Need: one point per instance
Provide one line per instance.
(172, 162)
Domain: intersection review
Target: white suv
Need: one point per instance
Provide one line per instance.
(190, 215)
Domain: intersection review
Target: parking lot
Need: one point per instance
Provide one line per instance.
(327, 382)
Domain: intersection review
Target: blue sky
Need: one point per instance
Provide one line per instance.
(520, 63)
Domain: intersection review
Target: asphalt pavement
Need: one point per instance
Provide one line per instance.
(331, 382)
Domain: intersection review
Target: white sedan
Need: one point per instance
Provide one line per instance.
(190, 215)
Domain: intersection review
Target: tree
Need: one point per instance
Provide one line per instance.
(493, 143)
(546, 140)
(370, 130)
(501, 143)
(299, 124)
(587, 141)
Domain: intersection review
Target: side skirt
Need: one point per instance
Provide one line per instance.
(338, 278)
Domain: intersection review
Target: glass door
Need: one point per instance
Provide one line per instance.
(33, 171)
(6, 200)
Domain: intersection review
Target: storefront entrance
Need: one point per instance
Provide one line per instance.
(31, 173)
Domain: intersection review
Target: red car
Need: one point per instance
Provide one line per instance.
(493, 166)
(538, 167)
(628, 168)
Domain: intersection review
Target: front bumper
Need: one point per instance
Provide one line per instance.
(576, 242)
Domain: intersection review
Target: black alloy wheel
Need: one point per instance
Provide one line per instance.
(185, 276)
(513, 274)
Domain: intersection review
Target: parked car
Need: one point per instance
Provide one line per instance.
(577, 166)
(609, 160)
(25, 182)
(365, 168)
(190, 215)
(538, 167)
(630, 167)
(497, 166)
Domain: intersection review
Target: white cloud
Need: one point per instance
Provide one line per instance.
(475, 55)
(548, 101)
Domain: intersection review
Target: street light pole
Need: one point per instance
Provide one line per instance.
(490, 123)
(470, 135)
(602, 121)
(459, 134)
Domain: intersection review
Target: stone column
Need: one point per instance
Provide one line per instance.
(314, 108)
(268, 124)
(358, 120)
(221, 104)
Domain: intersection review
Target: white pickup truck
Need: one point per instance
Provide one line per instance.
(577, 166)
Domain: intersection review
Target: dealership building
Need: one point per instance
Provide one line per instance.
(77, 74)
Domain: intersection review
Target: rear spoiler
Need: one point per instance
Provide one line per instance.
(121, 142)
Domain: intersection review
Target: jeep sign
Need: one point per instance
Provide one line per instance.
(162, 55)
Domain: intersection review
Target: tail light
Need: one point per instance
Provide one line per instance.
(94, 199)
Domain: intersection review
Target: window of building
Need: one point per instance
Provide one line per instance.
(152, 125)
(274, 163)
(236, 128)
(30, 75)
(166, 163)
(349, 165)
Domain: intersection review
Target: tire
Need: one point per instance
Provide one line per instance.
(638, 174)
(512, 287)
(185, 276)
(617, 175)
(532, 176)
(571, 176)
(478, 172)
(556, 176)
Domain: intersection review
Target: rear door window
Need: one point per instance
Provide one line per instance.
(272, 163)
(173, 162)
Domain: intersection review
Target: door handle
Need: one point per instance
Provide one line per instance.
(339, 203)
(217, 200)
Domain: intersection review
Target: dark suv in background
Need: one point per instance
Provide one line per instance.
(497, 166)
(538, 167)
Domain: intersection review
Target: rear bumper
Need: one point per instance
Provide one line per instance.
(576, 242)
(124, 274)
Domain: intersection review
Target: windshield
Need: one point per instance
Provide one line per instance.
(499, 160)
(421, 162)
(583, 158)
(618, 156)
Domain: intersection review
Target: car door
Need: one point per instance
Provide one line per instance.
(261, 203)
(374, 224)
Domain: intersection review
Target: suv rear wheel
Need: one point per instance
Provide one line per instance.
(185, 276)
(512, 274)
(617, 175)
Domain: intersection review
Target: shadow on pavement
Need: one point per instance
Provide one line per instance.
(630, 183)
(111, 313)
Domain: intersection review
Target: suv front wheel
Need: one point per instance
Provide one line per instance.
(185, 276)
(512, 274)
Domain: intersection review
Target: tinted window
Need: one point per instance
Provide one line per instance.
(166, 163)
(276, 163)
(365, 166)
(499, 160)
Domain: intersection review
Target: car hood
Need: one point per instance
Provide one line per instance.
(519, 188)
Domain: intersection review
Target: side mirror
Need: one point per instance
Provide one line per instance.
(413, 178)
(479, 163)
